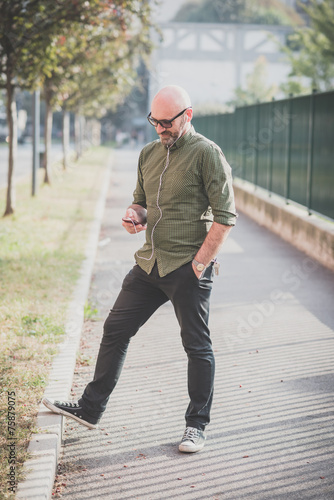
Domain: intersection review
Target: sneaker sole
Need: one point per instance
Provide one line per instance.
(46, 402)
(188, 449)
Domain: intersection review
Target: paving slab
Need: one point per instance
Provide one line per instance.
(271, 435)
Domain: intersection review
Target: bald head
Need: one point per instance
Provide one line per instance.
(172, 96)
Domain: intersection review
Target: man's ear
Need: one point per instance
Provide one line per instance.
(189, 114)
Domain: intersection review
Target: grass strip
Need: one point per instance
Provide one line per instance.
(41, 250)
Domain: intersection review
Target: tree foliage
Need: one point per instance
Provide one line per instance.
(322, 21)
(79, 50)
(95, 64)
(237, 11)
(256, 89)
(27, 30)
(310, 51)
(105, 74)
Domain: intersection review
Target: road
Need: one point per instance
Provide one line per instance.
(23, 165)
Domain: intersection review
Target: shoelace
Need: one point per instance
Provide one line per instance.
(190, 434)
(68, 404)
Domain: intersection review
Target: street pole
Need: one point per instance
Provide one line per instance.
(35, 143)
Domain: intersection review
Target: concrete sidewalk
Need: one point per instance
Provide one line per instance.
(272, 432)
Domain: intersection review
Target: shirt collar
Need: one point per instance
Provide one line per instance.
(185, 138)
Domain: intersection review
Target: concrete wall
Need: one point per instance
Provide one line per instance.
(309, 233)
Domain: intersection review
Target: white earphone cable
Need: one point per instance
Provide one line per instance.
(158, 206)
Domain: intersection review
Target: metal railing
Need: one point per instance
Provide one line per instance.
(285, 147)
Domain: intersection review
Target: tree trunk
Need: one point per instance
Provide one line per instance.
(78, 135)
(48, 136)
(12, 129)
(84, 141)
(66, 137)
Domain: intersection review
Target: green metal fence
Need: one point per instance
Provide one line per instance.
(286, 147)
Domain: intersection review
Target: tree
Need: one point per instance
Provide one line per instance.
(70, 52)
(272, 12)
(310, 51)
(256, 89)
(238, 11)
(31, 35)
(206, 11)
(96, 63)
(27, 28)
(322, 20)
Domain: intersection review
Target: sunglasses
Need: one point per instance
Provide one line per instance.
(165, 123)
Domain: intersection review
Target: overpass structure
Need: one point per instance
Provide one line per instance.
(210, 60)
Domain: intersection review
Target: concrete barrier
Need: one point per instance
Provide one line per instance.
(309, 233)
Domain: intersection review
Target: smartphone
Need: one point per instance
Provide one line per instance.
(128, 219)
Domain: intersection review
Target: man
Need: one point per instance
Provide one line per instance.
(184, 200)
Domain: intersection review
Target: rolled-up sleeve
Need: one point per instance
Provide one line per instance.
(217, 178)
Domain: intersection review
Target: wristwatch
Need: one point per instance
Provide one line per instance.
(200, 267)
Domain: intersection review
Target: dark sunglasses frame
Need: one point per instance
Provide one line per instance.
(165, 123)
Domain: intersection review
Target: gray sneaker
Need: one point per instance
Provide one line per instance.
(193, 440)
(71, 409)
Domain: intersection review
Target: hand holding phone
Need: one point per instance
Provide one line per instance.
(132, 221)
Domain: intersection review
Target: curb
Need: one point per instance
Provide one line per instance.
(44, 447)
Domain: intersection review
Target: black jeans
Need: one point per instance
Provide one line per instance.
(141, 295)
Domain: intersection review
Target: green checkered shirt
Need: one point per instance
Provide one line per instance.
(183, 193)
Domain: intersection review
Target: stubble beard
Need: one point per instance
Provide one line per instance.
(168, 138)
